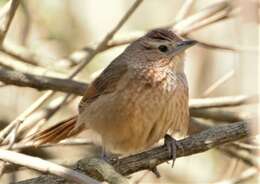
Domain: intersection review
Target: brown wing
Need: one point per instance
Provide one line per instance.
(105, 83)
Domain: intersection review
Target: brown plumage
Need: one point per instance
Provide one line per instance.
(137, 99)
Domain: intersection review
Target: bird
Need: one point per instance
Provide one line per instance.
(139, 98)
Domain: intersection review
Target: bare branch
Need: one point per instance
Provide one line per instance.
(183, 26)
(185, 10)
(219, 82)
(42, 82)
(244, 177)
(107, 38)
(226, 101)
(243, 155)
(23, 54)
(45, 167)
(217, 115)
(8, 62)
(203, 23)
(193, 144)
(6, 16)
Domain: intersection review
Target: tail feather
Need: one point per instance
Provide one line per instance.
(62, 130)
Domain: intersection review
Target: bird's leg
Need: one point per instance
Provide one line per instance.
(109, 158)
(172, 145)
(104, 155)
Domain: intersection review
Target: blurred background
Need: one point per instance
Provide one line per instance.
(51, 30)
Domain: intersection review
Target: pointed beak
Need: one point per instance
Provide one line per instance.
(183, 45)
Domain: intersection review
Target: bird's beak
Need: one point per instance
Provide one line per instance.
(181, 46)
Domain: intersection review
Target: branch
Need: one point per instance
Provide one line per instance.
(6, 16)
(226, 101)
(193, 144)
(224, 78)
(107, 38)
(185, 10)
(74, 87)
(217, 115)
(42, 82)
(9, 63)
(78, 88)
(190, 23)
(45, 166)
(245, 177)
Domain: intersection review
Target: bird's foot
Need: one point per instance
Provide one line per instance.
(172, 145)
(110, 158)
(105, 157)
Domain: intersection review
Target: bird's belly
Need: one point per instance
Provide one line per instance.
(142, 122)
(129, 123)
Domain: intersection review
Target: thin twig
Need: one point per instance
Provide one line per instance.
(34, 127)
(23, 115)
(185, 10)
(107, 38)
(65, 142)
(219, 82)
(227, 101)
(249, 147)
(10, 63)
(244, 177)
(203, 23)
(45, 167)
(248, 158)
(200, 16)
(25, 55)
(217, 115)
(6, 16)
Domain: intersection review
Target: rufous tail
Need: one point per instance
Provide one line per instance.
(54, 134)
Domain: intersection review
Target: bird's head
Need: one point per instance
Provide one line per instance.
(160, 47)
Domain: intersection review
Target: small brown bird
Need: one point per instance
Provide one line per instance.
(137, 99)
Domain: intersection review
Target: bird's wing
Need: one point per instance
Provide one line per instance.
(105, 83)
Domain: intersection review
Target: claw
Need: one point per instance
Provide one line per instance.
(172, 145)
(104, 156)
(110, 158)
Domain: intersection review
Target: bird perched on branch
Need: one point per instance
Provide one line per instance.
(136, 100)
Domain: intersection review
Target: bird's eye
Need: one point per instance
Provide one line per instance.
(163, 48)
